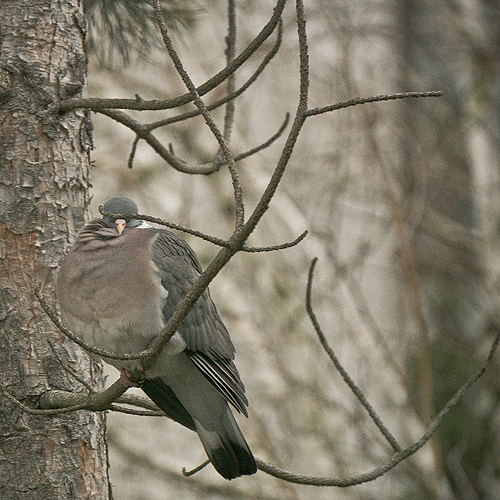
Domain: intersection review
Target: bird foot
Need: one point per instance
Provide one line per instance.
(125, 379)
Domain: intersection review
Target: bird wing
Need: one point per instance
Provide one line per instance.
(208, 344)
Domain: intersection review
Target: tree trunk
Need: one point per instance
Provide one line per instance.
(44, 169)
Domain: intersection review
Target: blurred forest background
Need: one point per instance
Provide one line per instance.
(402, 203)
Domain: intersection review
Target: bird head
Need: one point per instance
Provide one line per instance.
(121, 205)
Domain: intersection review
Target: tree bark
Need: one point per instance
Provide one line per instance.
(44, 172)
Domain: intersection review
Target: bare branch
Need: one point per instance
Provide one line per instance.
(343, 373)
(377, 98)
(97, 104)
(132, 411)
(212, 239)
(58, 401)
(156, 220)
(95, 401)
(273, 248)
(230, 96)
(133, 150)
(266, 144)
(228, 157)
(303, 56)
(192, 472)
(34, 411)
(137, 401)
(230, 54)
(141, 131)
(397, 457)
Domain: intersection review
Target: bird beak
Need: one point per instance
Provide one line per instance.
(120, 225)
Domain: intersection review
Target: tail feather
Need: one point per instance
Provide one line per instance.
(227, 449)
(184, 393)
(165, 398)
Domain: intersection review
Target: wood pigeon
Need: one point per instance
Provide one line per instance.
(117, 287)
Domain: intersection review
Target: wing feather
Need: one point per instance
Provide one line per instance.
(208, 343)
(223, 376)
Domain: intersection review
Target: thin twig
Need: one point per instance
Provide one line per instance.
(132, 411)
(133, 150)
(266, 144)
(172, 225)
(228, 157)
(273, 248)
(137, 401)
(230, 96)
(303, 56)
(212, 239)
(191, 472)
(142, 132)
(231, 81)
(343, 373)
(377, 98)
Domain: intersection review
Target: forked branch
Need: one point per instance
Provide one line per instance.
(400, 454)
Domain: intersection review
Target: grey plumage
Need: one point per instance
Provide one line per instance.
(116, 291)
